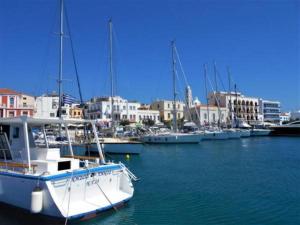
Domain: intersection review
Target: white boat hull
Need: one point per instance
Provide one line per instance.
(172, 138)
(260, 132)
(245, 133)
(215, 135)
(91, 191)
(122, 148)
(233, 134)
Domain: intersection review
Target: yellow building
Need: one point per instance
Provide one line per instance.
(76, 113)
(165, 108)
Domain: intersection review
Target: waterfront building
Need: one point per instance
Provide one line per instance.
(76, 112)
(47, 107)
(100, 108)
(238, 106)
(204, 115)
(188, 97)
(285, 117)
(13, 103)
(144, 113)
(270, 110)
(165, 108)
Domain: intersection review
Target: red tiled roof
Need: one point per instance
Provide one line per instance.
(6, 91)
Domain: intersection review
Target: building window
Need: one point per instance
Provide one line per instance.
(124, 107)
(169, 115)
(52, 114)
(25, 113)
(157, 106)
(11, 114)
(214, 117)
(11, 101)
(178, 106)
(205, 116)
(168, 105)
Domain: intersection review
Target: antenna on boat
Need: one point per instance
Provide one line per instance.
(61, 34)
(174, 87)
(111, 75)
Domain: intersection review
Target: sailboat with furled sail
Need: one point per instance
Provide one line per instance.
(113, 144)
(173, 137)
(41, 181)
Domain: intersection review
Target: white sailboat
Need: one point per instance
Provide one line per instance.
(173, 137)
(40, 180)
(213, 133)
(114, 144)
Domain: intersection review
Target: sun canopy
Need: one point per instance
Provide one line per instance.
(42, 121)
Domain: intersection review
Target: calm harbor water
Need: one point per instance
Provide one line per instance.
(247, 181)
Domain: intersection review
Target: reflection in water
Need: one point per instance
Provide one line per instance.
(14, 216)
(10, 215)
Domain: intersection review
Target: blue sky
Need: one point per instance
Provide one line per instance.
(259, 40)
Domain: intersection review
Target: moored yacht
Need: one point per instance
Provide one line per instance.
(260, 132)
(290, 129)
(171, 138)
(41, 180)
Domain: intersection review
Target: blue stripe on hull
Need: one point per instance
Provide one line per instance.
(63, 175)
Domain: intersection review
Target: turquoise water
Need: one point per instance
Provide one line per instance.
(247, 181)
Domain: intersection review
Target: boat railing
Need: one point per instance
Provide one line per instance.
(130, 174)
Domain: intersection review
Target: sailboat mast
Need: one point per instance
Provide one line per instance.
(216, 95)
(174, 87)
(205, 82)
(111, 72)
(61, 34)
(236, 109)
(215, 72)
(230, 105)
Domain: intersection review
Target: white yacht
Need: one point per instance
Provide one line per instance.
(171, 138)
(232, 133)
(260, 132)
(40, 180)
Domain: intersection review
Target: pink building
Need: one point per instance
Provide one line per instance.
(14, 104)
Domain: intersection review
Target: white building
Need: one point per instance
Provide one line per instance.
(47, 106)
(270, 110)
(285, 117)
(148, 114)
(238, 106)
(101, 108)
(204, 115)
(188, 97)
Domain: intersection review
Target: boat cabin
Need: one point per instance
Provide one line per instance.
(19, 152)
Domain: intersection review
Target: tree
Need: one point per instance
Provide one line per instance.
(124, 122)
(148, 122)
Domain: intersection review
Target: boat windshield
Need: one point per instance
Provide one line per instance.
(4, 147)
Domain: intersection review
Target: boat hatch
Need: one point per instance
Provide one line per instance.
(64, 165)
